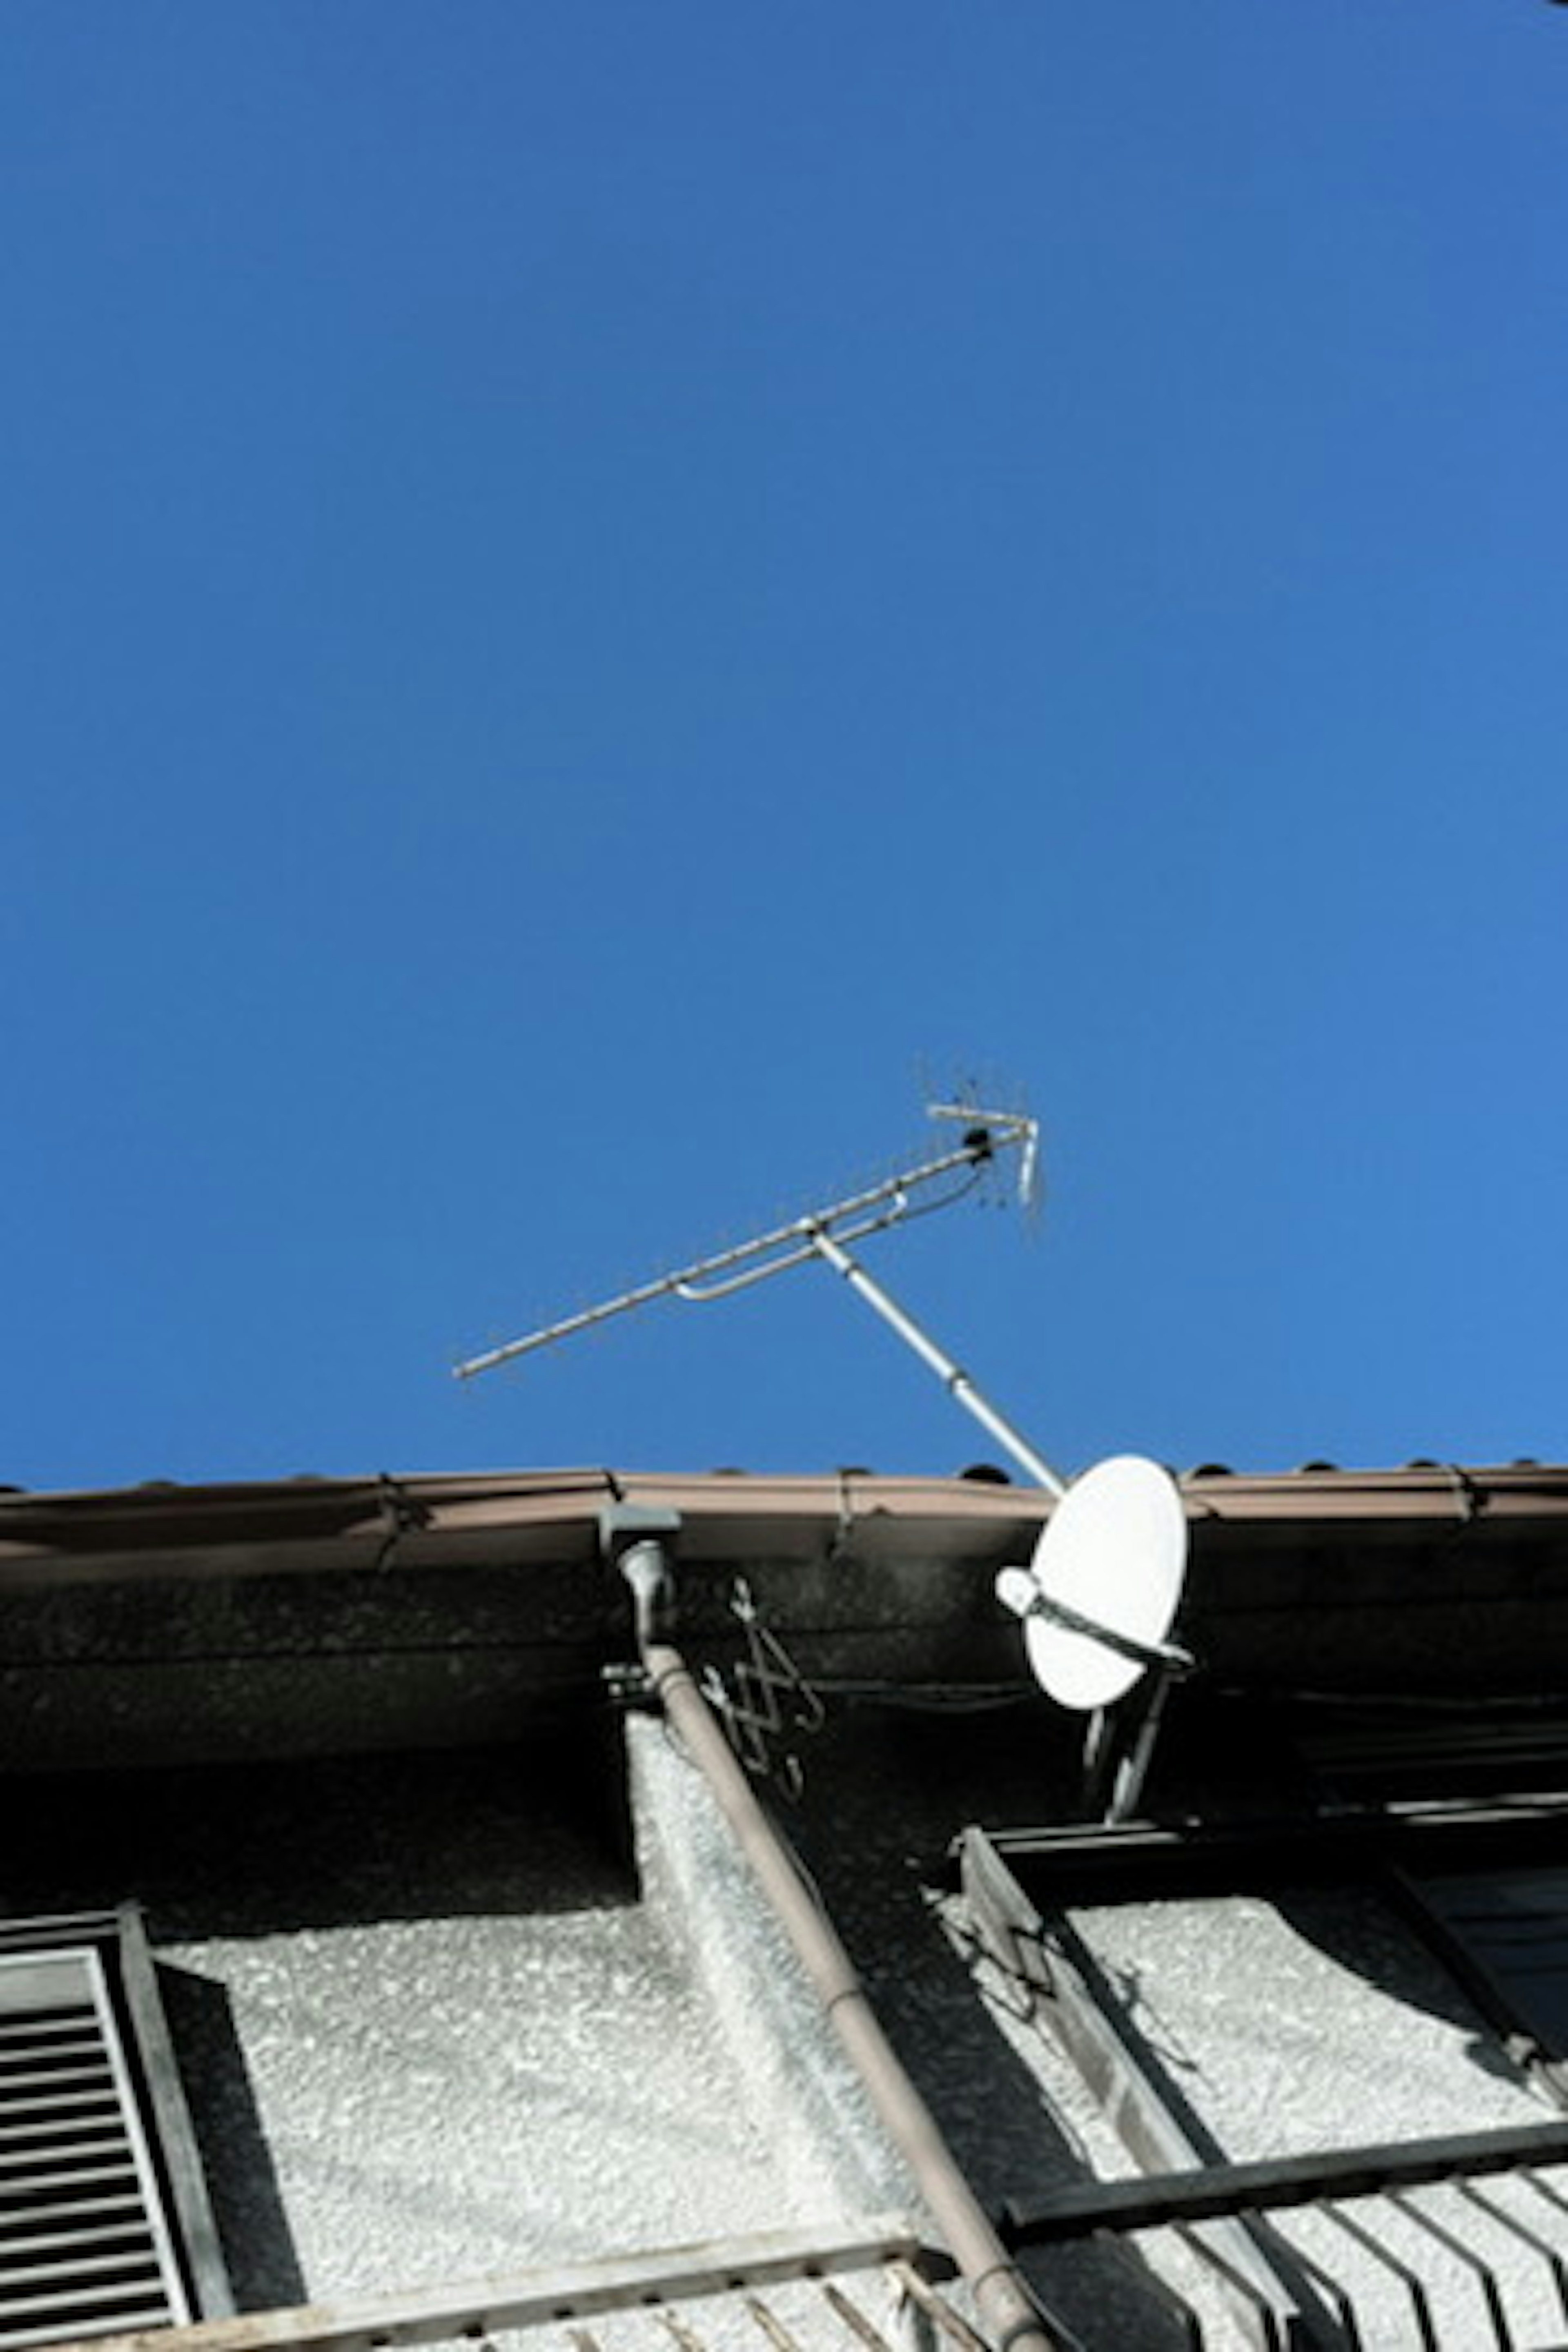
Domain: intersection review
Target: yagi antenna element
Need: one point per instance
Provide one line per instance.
(825, 1233)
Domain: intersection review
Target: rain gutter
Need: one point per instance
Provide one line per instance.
(288, 1525)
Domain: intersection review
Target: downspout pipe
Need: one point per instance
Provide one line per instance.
(1008, 2311)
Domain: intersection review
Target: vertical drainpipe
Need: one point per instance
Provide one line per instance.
(1003, 2301)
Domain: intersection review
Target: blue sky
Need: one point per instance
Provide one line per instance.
(591, 592)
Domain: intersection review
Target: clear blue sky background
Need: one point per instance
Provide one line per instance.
(590, 589)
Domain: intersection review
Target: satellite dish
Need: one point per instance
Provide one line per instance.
(1105, 1583)
(1098, 1601)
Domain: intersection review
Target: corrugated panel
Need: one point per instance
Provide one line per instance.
(84, 2246)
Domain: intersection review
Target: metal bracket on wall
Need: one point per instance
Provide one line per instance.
(766, 1702)
(626, 1686)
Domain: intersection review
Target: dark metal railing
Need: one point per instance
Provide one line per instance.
(1448, 2243)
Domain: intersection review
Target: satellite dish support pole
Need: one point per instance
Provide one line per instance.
(1119, 1742)
(959, 1385)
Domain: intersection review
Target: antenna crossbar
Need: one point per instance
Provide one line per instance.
(871, 1211)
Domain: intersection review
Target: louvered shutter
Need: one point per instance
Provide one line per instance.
(85, 2246)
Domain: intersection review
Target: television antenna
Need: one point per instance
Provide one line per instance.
(1102, 1588)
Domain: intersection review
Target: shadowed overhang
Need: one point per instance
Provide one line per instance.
(315, 1612)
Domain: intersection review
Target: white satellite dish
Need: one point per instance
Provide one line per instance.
(1102, 1591)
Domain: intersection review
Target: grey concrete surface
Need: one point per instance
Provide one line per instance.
(553, 2070)
(453, 2014)
(1319, 2021)
(1305, 2024)
(447, 2097)
(832, 2158)
(431, 2027)
(524, 2070)
(450, 2014)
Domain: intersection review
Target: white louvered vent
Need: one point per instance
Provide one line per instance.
(84, 2246)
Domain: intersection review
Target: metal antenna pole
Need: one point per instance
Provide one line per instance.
(959, 1385)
